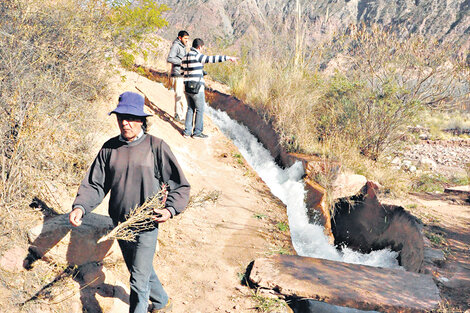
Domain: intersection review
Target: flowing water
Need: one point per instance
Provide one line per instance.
(287, 184)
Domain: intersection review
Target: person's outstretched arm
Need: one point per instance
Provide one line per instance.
(215, 58)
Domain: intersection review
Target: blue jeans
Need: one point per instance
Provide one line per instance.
(196, 103)
(144, 282)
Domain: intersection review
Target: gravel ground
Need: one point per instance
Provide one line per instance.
(447, 157)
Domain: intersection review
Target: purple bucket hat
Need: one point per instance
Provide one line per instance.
(130, 103)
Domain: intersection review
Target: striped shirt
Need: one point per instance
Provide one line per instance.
(193, 64)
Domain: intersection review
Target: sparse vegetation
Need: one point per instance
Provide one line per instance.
(435, 182)
(53, 60)
(282, 226)
(267, 303)
(239, 158)
(353, 94)
(437, 239)
(259, 216)
(50, 74)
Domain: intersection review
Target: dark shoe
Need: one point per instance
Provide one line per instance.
(201, 135)
(168, 307)
(185, 136)
(178, 119)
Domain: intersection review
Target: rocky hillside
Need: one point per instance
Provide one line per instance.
(260, 20)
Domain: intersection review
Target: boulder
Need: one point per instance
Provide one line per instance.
(350, 285)
(363, 223)
(57, 240)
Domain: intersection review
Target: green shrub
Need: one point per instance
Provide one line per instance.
(126, 59)
(129, 22)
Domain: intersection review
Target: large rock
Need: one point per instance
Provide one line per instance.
(317, 207)
(363, 223)
(347, 185)
(57, 240)
(349, 285)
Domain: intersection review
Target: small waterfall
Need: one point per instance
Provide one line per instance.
(287, 184)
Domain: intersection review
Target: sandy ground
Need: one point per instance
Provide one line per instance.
(204, 252)
(446, 224)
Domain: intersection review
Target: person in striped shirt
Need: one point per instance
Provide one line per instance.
(193, 70)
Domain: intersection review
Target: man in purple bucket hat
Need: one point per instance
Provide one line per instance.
(132, 167)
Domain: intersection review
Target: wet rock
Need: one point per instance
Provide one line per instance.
(349, 285)
(363, 223)
(317, 207)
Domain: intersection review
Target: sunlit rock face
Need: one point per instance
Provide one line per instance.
(257, 21)
(347, 285)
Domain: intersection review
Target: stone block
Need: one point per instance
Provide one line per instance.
(349, 285)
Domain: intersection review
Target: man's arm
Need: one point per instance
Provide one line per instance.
(215, 58)
(173, 56)
(178, 186)
(92, 189)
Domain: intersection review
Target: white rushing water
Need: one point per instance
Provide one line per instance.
(287, 184)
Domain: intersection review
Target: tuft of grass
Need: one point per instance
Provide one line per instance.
(270, 304)
(259, 216)
(282, 226)
(435, 182)
(437, 239)
(239, 158)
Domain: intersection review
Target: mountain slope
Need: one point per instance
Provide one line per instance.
(259, 20)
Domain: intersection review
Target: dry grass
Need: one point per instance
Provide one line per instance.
(52, 72)
(50, 67)
(353, 95)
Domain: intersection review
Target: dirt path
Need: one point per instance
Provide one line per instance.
(205, 251)
(446, 224)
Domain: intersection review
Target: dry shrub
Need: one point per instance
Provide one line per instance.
(51, 70)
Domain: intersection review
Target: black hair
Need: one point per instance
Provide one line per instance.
(198, 42)
(144, 124)
(182, 33)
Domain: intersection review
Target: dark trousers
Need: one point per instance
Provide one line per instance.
(144, 283)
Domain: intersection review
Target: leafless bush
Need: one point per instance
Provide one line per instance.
(50, 71)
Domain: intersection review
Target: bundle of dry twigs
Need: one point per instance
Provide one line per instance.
(140, 219)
